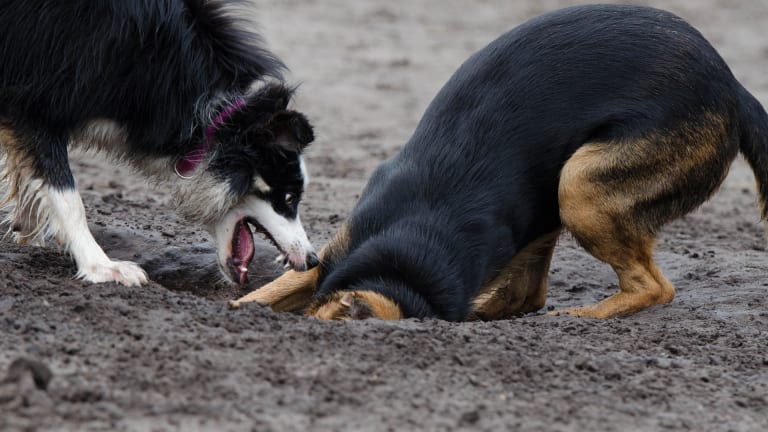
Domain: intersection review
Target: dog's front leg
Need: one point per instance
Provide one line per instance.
(67, 223)
(290, 292)
(46, 205)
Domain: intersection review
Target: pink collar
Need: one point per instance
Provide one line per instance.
(189, 162)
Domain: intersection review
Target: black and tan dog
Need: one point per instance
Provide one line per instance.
(606, 121)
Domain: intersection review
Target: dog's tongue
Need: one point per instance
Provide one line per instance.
(242, 250)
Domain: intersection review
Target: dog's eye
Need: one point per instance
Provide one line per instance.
(290, 199)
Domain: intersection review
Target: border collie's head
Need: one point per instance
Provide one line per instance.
(254, 179)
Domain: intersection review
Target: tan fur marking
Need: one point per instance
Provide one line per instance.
(10, 163)
(22, 194)
(381, 306)
(641, 283)
(340, 307)
(614, 196)
(521, 286)
(338, 246)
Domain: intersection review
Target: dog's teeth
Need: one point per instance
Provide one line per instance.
(280, 259)
(244, 269)
(286, 266)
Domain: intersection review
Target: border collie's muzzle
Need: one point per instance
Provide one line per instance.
(234, 238)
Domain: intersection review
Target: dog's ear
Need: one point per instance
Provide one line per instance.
(291, 130)
(356, 305)
(356, 308)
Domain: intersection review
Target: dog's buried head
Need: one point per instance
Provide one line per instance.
(355, 305)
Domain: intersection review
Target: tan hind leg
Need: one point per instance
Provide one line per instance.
(293, 291)
(521, 286)
(614, 196)
(604, 225)
(641, 283)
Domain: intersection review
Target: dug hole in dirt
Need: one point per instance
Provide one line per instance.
(170, 355)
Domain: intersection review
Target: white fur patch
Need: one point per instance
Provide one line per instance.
(68, 225)
(110, 138)
(261, 185)
(102, 134)
(304, 173)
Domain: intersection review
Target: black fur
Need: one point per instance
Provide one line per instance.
(478, 180)
(267, 146)
(159, 68)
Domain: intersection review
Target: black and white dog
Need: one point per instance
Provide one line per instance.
(181, 90)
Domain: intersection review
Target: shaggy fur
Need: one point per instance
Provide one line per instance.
(143, 81)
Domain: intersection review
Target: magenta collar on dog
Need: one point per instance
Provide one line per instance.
(192, 160)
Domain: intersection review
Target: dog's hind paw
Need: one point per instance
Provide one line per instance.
(122, 272)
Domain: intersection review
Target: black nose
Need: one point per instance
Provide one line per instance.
(312, 260)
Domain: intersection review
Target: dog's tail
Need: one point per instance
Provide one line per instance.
(754, 144)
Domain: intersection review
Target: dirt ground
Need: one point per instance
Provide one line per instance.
(171, 356)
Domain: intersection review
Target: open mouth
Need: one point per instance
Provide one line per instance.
(243, 248)
(242, 251)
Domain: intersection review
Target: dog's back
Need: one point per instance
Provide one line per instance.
(517, 110)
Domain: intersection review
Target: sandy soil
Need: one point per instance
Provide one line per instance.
(172, 356)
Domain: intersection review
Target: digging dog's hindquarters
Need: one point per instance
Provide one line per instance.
(607, 121)
(181, 90)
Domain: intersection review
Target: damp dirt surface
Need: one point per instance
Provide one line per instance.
(171, 356)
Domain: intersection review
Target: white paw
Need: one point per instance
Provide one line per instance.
(122, 272)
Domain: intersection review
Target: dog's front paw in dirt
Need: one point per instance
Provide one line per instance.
(123, 272)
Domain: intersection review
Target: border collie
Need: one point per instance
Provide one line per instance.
(607, 121)
(180, 89)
